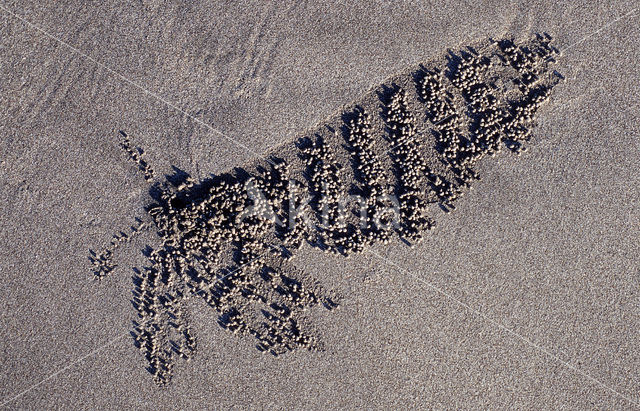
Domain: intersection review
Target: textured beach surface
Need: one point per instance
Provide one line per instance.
(524, 296)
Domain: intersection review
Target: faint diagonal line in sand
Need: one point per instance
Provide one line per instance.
(55, 374)
(130, 82)
(102, 347)
(503, 327)
(599, 30)
(169, 104)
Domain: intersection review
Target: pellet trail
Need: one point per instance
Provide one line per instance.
(381, 168)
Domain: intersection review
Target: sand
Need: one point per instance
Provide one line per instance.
(525, 295)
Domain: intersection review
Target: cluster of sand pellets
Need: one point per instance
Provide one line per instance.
(410, 166)
(384, 166)
(377, 216)
(255, 291)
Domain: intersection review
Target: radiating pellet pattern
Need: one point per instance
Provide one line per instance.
(162, 331)
(296, 223)
(103, 262)
(492, 120)
(410, 165)
(369, 172)
(215, 245)
(335, 233)
(444, 117)
(483, 108)
(532, 61)
(451, 144)
(136, 155)
(378, 216)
